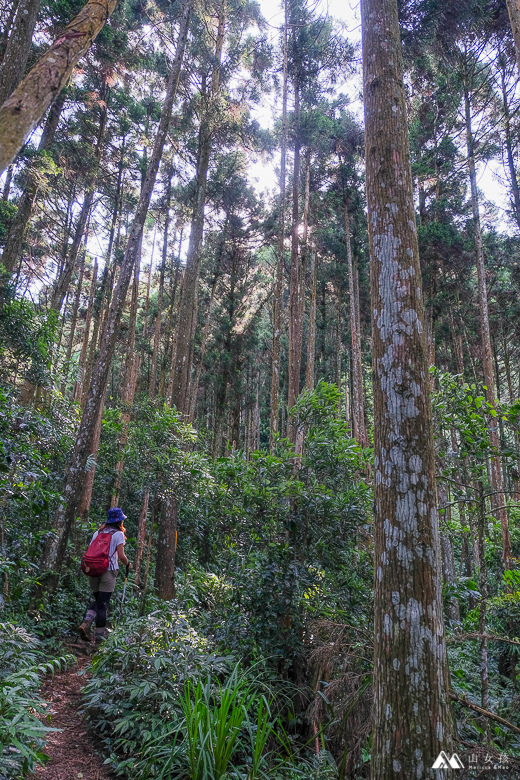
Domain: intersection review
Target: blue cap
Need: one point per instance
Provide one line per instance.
(115, 515)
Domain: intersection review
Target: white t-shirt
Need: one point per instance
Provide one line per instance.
(117, 538)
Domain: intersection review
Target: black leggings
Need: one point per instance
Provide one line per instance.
(99, 606)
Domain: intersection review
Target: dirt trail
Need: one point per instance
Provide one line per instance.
(72, 750)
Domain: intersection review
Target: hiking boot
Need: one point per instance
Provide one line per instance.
(101, 635)
(84, 630)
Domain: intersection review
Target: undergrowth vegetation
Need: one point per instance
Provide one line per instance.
(166, 704)
(23, 712)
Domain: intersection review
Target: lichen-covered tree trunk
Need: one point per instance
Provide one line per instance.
(278, 283)
(513, 7)
(14, 242)
(66, 513)
(24, 108)
(166, 549)
(412, 720)
(497, 499)
(18, 46)
(188, 304)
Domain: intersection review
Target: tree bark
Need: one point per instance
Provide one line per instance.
(515, 189)
(483, 584)
(22, 111)
(412, 721)
(358, 394)
(88, 483)
(18, 47)
(157, 329)
(513, 7)
(485, 334)
(311, 340)
(203, 346)
(448, 566)
(63, 280)
(166, 549)
(295, 330)
(72, 332)
(56, 543)
(169, 352)
(188, 304)
(141, 534)
(79, 384)
(14, 243)
(274, 422)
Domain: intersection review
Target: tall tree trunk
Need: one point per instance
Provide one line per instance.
(358, 394)
(203, 346)
(157, 329)
(483, 584)
(14, 242)
(56, 543)
(141, 535)
(63, 281)
(295, 329)
(513, 7)
(515, 189)
(79, 384)
(311, 340)
(169, 352)
(188, 304)
(18, 47)
(72, 332)
(22, 111)
(166, 549)
(280, 257)
(128, 399)
(88, 483)
(498, 498)
(7, 184)
(129, 379)
(412, 721)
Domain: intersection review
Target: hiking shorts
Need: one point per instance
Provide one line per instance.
(104, 584)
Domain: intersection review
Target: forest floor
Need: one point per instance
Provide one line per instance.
(72, 750)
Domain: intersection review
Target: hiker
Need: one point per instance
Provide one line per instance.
(103, 585)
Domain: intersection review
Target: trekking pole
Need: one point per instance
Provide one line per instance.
(126, 580)
(127, 569)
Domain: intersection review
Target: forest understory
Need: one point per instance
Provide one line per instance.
(284, 341)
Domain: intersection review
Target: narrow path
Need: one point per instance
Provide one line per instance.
(72, 750)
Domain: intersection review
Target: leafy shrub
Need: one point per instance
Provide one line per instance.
(133, 699)
(166, 705)
(22, 732)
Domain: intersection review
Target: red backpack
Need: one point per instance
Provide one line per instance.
(96, 560)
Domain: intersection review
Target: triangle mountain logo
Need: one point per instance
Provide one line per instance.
(443, 761)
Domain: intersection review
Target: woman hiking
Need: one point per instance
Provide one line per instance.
(103, 586)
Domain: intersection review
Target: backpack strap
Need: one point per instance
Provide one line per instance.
(111, 531)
